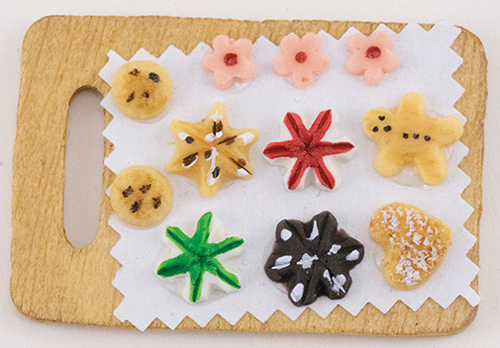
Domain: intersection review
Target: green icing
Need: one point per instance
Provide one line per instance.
(198, 256)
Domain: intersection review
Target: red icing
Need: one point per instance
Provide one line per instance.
(307, 147)
(231, 59)
(373, 52)
(301, 57)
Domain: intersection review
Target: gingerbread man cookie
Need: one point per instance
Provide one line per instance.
(414, 242)
(211, 152)
(406, 135)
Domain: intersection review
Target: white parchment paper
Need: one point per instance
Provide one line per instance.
(251, 209)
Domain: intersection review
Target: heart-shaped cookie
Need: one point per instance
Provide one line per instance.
(414, 242)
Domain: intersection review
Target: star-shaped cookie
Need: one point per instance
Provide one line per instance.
(406, 135)
(211, 152)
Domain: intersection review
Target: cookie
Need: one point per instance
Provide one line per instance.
(230, 61)
(141, 89)
(211, 152)
(141, 196)
(371, 56)
(301, 59)
(198, 257)
(308, 149)
(414, 242)
(313, 259)
(406, 135)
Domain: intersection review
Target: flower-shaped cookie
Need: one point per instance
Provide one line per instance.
(230, 61)
(371, 56)
(211, 152)
(305, 150)
(198, 257)
(302, 59)
(313, 259)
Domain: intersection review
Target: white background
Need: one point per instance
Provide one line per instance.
(481, 17)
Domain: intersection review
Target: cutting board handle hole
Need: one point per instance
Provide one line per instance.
(83, 167)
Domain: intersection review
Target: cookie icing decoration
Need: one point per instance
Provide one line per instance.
(313, 259)
(307, 150)
(211, 152)
(406, 135)
(230, 61)
(414, 242)
(199, 257)
(141, 196)
(141, 89)
(371, 56)
(301, 59)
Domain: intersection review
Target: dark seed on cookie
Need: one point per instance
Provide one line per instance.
(216, 172)
(208, 153)
(136, 206)
(387, 128)
(189, 139)
(218, 127)
(127, 192)
(131, 97)
(189, 159)
(145, 188)
(153, 76)
(228, 141)
(427, 138)
(405, 135)
(156, 202)
(242, 161)
(381, 118)
(375, 129)
(145, 94)
(415, 136)
(134, 72)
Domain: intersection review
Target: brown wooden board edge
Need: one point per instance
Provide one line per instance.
(40, 252)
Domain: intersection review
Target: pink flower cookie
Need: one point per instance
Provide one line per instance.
(301, 59)
(230, 61)
(371, 56)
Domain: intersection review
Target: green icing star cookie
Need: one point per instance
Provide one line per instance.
(198, 256)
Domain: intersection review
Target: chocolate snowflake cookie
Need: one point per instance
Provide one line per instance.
(313, 259)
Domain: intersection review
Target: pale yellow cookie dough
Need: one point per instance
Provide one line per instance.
(414, 242)
(406, 135)
(141, 196)
(211, 152)
(141, 89)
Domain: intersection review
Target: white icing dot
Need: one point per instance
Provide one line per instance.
(183, 135)
(282, 262)
(216, 116)
(306, 261)
(338, 283)
(247, 137)
(353, 256)
(285, 234)
(211, 136)
(241, 172)
(315, 231)
(297, 292)
(334, 249)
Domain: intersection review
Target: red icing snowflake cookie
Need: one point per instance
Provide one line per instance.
(306, 153)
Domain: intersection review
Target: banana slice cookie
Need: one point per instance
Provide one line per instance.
(141, 196)
(141, 89)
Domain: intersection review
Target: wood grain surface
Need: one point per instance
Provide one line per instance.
(55, 282)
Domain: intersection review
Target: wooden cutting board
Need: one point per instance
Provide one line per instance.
(56, 282)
